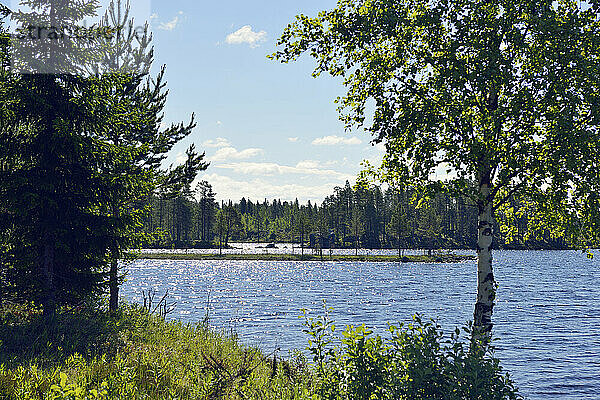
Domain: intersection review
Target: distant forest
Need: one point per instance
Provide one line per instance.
(350, 217)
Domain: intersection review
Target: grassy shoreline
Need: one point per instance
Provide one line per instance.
(87, 354)
(135, 355)
(435, 258)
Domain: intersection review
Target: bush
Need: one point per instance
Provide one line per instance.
(415, 362)
(89, 354)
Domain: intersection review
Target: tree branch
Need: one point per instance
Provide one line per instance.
(508, 195)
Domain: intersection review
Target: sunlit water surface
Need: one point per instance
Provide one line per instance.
(279, 248)
(547, 316)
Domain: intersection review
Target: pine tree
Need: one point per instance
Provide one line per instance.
(130, 115)
(206, 205)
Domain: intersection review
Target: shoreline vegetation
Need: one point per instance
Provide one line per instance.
(535, 246)
(134, 354)
(437, 258)
(89, 353)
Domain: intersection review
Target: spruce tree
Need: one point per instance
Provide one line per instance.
(49, 186)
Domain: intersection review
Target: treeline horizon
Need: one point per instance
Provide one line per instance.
(351, 217)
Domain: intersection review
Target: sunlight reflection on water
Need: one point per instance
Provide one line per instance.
(547, 317)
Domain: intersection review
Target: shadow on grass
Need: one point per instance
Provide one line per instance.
(26, 336)
(134, 355)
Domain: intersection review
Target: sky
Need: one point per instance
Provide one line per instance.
(269, 130)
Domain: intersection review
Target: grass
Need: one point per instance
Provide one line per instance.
(88, 354)
(443, 257)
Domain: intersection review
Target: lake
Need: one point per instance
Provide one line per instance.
(547, 315)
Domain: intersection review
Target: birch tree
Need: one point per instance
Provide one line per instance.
(490, 100)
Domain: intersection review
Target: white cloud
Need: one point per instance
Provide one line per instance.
(169, 26)
(375, 154)
(380, 147)
(293, 139)
(258, 189)
(335, 140)
(219, 123)
(253, 168)
(246, 35)
(443, 172)
(311, 164)
(180, 158)
(218, 142)
(231, 153)
(307, 168)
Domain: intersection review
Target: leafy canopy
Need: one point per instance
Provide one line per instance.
(502, 93)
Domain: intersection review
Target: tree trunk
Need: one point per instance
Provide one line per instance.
(113, 303)
(113, 278)
(161, 210)
(486, 285)
(220, 243)
(204, 224)
(49, 297)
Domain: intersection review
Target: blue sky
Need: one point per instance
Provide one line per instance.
(270, 130)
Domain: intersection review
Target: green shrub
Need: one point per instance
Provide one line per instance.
(416, 362)
(88, 354)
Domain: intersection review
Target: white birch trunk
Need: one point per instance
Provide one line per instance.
(486, 285)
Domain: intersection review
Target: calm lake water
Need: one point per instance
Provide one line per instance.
(547, 316)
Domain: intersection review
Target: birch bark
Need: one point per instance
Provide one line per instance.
(486, 285)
